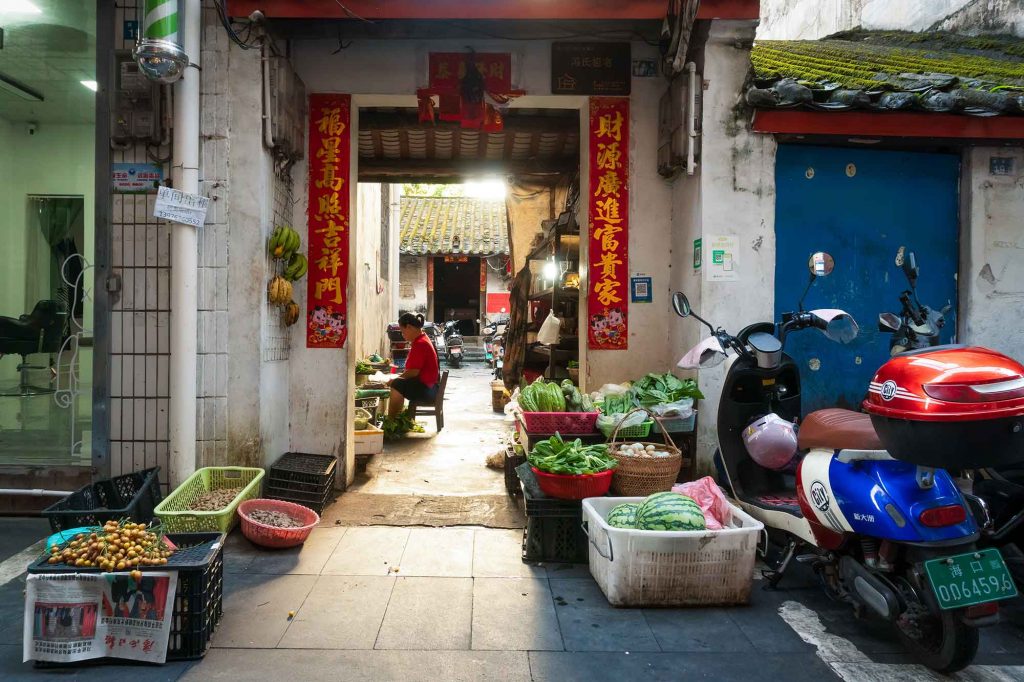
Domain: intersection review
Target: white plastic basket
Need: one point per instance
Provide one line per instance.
(662, 568)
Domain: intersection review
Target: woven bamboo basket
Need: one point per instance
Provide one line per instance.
(642, 476)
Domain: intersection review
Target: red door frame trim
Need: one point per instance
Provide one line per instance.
(891, 124)
(458, 9)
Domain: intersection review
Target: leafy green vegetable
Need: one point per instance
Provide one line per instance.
(396, 427)
(573, 364)
(542, 396)
(664, 388)
(363, 367)
(557, 456)
(618, 404)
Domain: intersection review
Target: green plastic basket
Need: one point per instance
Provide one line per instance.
(639, 431)
(177, 517)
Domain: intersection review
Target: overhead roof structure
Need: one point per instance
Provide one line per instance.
(453, 225)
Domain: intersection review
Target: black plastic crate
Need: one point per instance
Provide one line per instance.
(305, 468)
(512, 460)
(555, 540)
(316, 502)
(132, 496)
(199, 598)
(317, 489)
(540, 505)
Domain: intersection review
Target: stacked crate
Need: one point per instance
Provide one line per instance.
(302, 478)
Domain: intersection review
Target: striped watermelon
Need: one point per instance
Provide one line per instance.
(669, 511)
(623, 515)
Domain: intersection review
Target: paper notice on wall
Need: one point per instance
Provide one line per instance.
(723, 264)
(181, 207)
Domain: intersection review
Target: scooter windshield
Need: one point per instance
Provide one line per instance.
(707, 353)
(840, 325)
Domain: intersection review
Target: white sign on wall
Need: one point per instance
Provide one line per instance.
(721, 255)
(181, 207)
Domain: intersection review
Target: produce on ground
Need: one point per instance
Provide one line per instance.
(664, 388)
(214, 500)
(279, 290)
(623, 515)
(117, 546)
(283, 243)
(274, 518)
(396, 427)
(574, 400)
(641, 450)
(556, 456)
(542, 396)
(670, 511)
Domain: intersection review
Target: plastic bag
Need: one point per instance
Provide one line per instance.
(709, 497)
(610, 421)
(548, 334)
(610, 389)
(681, 408)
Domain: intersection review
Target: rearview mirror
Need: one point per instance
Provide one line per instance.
(821, 264)
(888, 322)
(842, 329)
(681, 304)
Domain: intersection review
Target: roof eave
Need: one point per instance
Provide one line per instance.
(888, 124)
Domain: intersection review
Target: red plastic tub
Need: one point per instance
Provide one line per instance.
(565, 423)
(277, 538)
(573, 487)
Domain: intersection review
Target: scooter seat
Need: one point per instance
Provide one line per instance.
(838, 429)
(782, 502)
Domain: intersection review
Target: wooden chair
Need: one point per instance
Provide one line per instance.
(437, 409)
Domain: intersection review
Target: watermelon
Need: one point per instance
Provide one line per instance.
(623, 515)
(669, 511)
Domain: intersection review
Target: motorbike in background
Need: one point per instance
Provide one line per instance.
(889, 537)
(492, 333)
(453, 344)
(995, 493)
(436, 337)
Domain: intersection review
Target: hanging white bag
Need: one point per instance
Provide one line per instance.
(548, 334)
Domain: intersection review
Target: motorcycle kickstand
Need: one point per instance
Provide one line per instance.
(774, 576)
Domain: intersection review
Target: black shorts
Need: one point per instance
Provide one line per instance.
(415, 390)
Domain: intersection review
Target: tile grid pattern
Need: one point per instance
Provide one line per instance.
(140, 312)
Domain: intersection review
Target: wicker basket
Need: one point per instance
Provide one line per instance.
(642, 476)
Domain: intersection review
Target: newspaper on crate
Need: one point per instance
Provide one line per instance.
(79, 616)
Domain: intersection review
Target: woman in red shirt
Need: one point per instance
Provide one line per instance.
(418, 383)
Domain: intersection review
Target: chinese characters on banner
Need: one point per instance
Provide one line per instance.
(607, 302)
(329, 149)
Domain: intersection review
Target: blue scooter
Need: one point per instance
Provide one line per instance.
(889, 537)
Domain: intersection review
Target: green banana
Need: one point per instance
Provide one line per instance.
(297, 267)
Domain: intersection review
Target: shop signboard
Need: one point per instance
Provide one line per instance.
(135, 178)
(608, 234)
(582, 68)
(328, 220)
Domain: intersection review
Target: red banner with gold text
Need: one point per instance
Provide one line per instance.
(607, 300)
(328, 218)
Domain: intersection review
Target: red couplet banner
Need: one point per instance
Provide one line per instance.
(608, 196)
(328, 219)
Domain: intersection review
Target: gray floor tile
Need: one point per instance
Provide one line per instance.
(308, 558)
(514, 614)
(256, 608)
(239, 553)
(428, 613)
(284, 665)
(439, 552)
(373, 550)
(600, 666)
(566, 570)
(590, 623)
(697, 630)
(497, 553)
(341, 612)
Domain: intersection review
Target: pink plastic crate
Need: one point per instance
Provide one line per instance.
(560, 422)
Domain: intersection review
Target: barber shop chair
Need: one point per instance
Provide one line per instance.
(39, 332)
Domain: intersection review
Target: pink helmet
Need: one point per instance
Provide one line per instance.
(771, 442)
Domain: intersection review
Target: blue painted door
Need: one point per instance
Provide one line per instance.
(861, 205)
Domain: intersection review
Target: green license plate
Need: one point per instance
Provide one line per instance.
(971, 578)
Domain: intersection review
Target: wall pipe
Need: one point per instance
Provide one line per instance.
(185, 255)
(691, 117)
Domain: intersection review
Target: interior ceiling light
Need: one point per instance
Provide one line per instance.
(18, 7)
(92, 85)
(158, 53)
(15, 87)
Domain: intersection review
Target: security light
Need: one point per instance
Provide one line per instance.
(92, 85)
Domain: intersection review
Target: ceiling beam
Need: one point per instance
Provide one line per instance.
(354, 10)
(373, 120)
(419, 169)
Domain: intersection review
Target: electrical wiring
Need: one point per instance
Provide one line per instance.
(235, 38)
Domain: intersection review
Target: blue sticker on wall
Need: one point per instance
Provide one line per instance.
(135, 178)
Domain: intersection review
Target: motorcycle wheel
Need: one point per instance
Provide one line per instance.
(940, 641)
(454, 364)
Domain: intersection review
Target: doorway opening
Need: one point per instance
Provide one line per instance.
(454, 223)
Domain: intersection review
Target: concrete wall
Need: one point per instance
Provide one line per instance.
(812, 19)
(375, 298)
(992, 265)
(737, 198)
(412, 273)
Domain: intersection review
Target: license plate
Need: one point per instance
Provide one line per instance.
(971, 578)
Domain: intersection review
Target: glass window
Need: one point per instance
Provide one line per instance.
(47, 140)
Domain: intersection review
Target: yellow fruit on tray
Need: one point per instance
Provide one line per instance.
(279, 290)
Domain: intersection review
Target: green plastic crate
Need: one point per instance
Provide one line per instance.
(177, 517)
(638, 432)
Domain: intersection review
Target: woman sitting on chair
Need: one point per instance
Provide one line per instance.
(418, 383)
